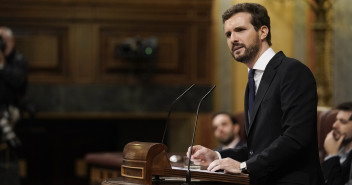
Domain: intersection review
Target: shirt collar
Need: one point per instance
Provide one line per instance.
(263, 60)
(342, 149)
(232, 144)
(343, 156)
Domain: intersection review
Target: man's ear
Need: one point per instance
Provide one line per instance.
(236, 128)
(263, 32)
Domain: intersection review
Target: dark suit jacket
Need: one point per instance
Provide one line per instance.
(282, 134)
(336, 173)
(239, 145)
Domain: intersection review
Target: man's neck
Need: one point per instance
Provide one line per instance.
(347, 147)
(262, 49)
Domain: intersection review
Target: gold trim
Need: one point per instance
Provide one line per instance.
(135, 177)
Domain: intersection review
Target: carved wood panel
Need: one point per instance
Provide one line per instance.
(172, 57)
(46, 48)
(75, 41)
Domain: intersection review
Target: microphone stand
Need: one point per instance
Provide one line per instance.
(171, 106)
(156, 178)
(188, 175)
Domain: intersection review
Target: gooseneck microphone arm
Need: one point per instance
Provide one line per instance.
(171, 106)
(188, 176)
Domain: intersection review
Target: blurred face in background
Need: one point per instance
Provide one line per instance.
(343, 126)
(8, 38)
(224, 129)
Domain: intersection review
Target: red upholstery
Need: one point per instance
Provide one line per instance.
(325, 121)
(109, 159)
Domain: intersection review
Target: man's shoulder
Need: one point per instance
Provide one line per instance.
(240, 144)
(289, 65)
(288, 61)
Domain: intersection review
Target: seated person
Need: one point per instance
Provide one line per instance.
(226, 131)
(338, 146)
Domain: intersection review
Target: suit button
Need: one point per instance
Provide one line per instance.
(251, 152)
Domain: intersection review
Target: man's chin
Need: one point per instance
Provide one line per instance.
(239, 58)
(346, 141)
(225, 142)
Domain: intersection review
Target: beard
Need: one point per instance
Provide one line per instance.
(227, 140)
(346, 140)
(250, 52)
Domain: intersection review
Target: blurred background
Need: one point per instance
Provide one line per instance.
(103, 73)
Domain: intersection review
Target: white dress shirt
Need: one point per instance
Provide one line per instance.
(260, 66)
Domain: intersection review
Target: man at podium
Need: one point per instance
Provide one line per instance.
(280, 108)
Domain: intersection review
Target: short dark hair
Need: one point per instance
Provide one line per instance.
(233, 119)
(258, 12)
(346, 106)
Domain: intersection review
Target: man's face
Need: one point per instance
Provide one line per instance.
(242, 39)
(223, 129)
(343, 126)
(9, 40)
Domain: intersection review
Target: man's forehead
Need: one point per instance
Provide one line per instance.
(238, 19)
(342, 114)
(222, 117)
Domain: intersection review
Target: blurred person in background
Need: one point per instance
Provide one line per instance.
(13, 82)
(226, 131)
(338, 146)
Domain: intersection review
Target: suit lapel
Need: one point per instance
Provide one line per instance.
(265, 82)
(246, 110)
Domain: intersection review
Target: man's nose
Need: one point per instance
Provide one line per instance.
(336, 123)
(233, 37)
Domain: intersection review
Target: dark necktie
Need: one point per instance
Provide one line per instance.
(251, 95)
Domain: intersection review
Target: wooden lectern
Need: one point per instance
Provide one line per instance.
(142, 161)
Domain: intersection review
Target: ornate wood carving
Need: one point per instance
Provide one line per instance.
(73, 41)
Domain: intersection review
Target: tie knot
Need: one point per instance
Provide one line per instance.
(251, 73)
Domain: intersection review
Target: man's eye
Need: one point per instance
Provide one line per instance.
(228, 34)
(344, 121)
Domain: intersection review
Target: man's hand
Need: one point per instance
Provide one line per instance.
(331, 145)
(228, 165)
(202, 156)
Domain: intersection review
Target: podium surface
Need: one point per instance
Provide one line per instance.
(166, 181)
(144, 161)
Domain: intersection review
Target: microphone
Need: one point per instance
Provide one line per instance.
(156, 178)
(171, 106)
(188, 175)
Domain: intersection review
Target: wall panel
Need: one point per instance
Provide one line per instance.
(70, 41)
(46, 47)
